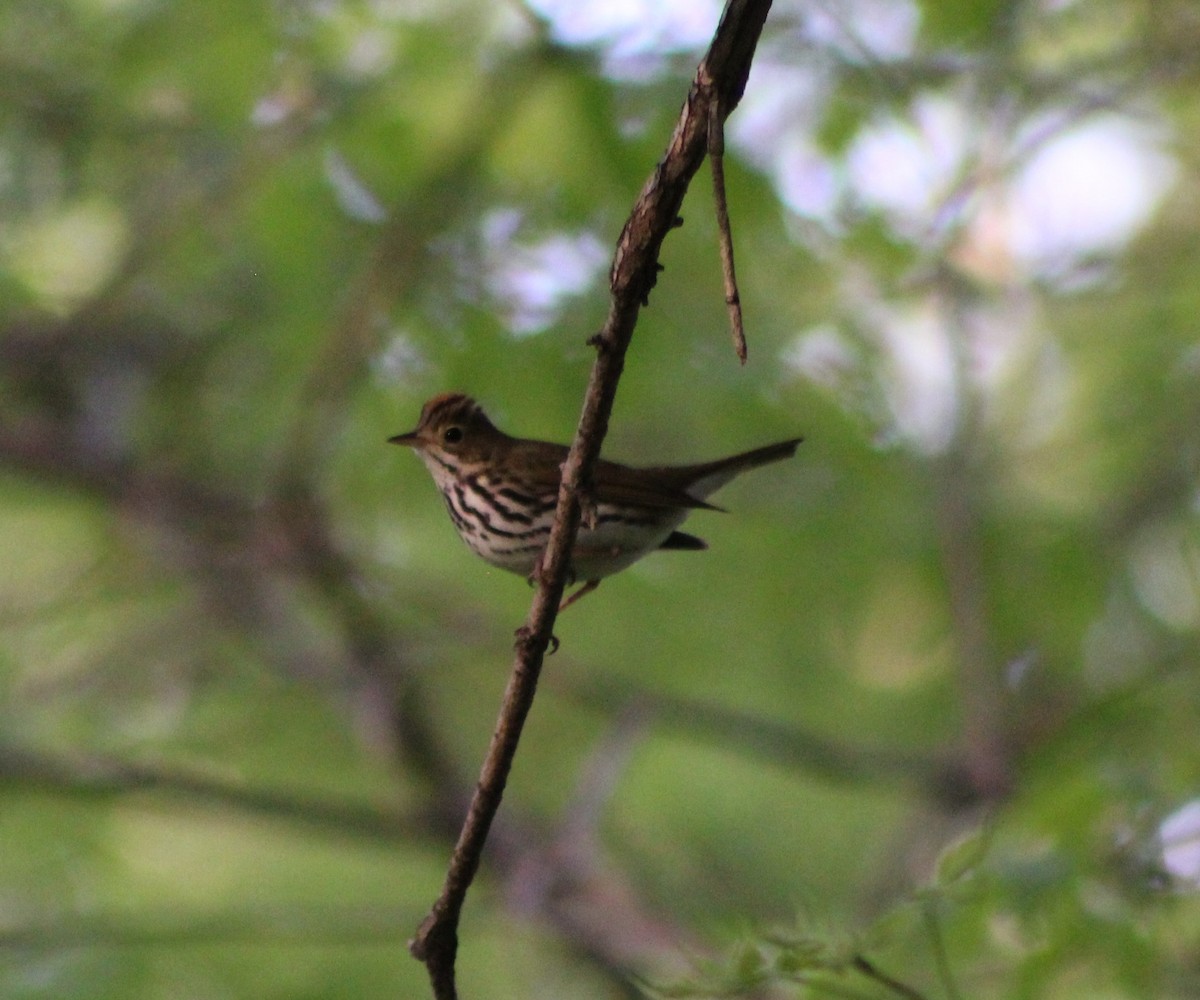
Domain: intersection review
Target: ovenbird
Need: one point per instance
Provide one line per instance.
(501, 493)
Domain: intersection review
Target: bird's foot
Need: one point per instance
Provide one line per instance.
(524, 633)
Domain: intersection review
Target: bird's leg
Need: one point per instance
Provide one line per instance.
(587, 510)
(534, 576)
(587, 588)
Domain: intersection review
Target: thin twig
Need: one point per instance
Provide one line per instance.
(938, 945)
(716, 159)
(868, 969)
(721, 76)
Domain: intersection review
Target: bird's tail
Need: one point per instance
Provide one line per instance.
(702, 480)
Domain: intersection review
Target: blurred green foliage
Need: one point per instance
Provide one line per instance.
(914, 722)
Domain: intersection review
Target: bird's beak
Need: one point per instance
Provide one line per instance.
(410, 439)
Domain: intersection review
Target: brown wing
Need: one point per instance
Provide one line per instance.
(540, 465)
(695, 482)
(657, 486)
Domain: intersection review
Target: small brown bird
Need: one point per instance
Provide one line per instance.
(501, 493)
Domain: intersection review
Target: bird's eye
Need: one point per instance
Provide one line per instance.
(452, 435)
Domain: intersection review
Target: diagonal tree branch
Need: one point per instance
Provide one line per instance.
(721, 79)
